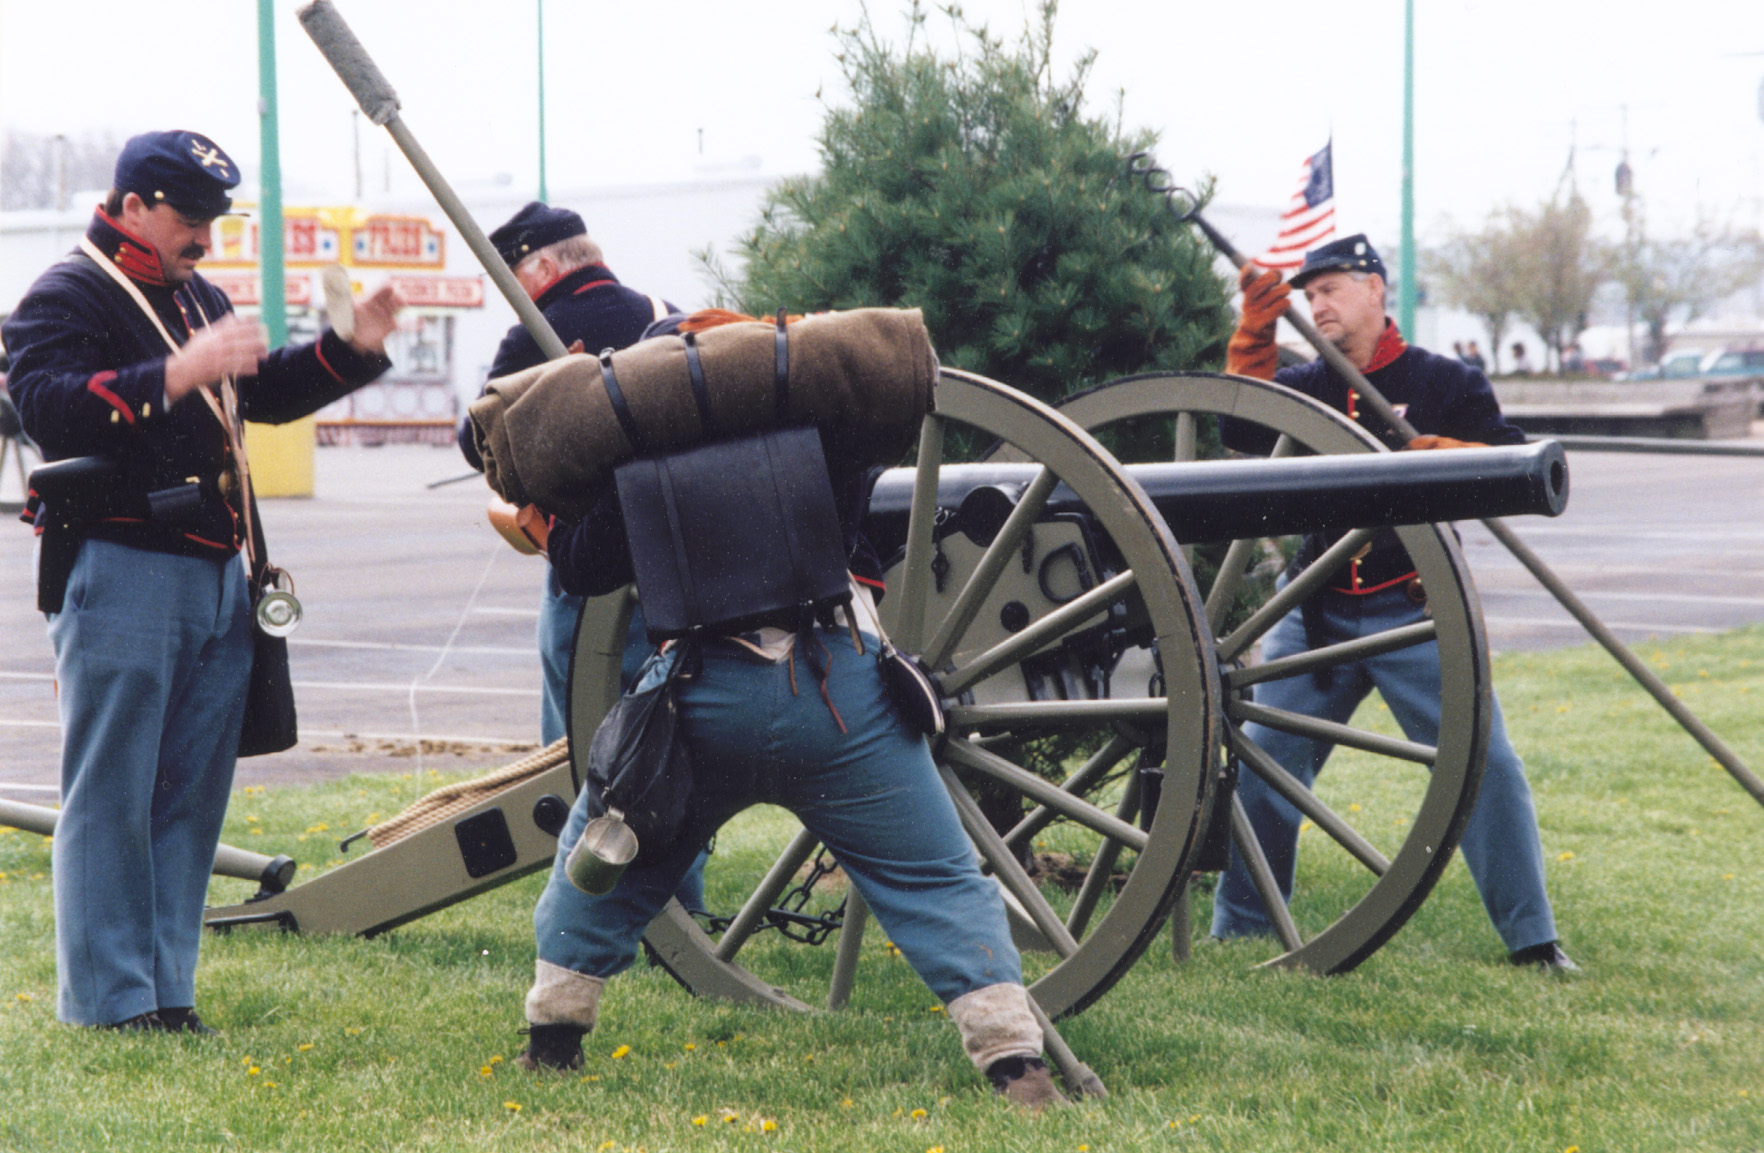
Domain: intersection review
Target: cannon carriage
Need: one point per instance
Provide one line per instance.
(1047, 590)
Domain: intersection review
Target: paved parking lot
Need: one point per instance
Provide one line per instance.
(417, 642)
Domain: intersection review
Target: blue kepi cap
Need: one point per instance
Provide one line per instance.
(186, 170)
(532, 228)
(1350, 254)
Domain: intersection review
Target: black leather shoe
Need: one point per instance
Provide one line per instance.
(556, 1047)
(140, 1023)
(1548, 956)
(184, 1021)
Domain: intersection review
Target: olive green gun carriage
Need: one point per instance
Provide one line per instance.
(1047, 592)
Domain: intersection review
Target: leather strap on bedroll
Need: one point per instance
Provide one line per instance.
(734, 534)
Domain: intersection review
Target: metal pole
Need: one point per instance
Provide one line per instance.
(1406, 290)
(331, 35)
(269, 236)
(543, 197)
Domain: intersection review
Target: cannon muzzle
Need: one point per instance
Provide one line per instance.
(1227, 499)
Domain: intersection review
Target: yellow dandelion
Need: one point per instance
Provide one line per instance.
(690, 1047)
(935, 1009)
(27, 996)
(918, 1113)
(269, 1084)
(251, 819)
(935, 1149)
(1724, 877)
(486, 1071)
(591, 1077)
(621, 1052)
(768, 1125)
(845, 1102)
(512, 1106)
(1354, 808)
(726, 1115)
(1564, 856)
(496, 1060)
(305, 1047)
(253, 1071)
(701, 1120)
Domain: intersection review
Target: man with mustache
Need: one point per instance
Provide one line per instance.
(1451, 405)
(122, 351)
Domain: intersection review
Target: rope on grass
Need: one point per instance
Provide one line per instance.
(451, 800)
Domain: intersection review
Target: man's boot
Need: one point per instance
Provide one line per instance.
(562, 1007)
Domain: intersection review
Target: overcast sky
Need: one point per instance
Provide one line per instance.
(641, 93)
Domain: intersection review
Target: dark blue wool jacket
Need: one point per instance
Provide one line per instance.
(589, 305)
(88, 377)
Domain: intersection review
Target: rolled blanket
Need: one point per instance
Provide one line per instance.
(550, 436)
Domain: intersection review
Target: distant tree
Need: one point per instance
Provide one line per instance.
(1677, 280)
(36, 169)
(1474, 272)
(1556, 266)
(976, 188)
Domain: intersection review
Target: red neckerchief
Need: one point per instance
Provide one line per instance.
(1390, 346)
(134, 255)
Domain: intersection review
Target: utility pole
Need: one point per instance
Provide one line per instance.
(269, 237)
(1406, 289)
(542, 194)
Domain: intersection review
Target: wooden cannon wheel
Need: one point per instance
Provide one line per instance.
(1005, 685)
(1350, 896)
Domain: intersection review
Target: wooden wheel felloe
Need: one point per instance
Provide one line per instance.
(1022, 656)
(1351, 896)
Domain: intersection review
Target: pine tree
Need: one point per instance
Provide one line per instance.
(977, 189)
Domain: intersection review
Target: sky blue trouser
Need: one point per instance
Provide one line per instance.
(872, 794)
(559, 612)
(152, 656)
(1500, 844)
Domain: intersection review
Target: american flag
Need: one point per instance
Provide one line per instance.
(1310, 217)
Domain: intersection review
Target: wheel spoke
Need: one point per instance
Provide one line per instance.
(1330, 656)
(1307, 802)
(851, 940)
(1237, 558)
(1046, 793)
(747, 921)
(1038, 635)
(1332, 732)
(1007, 868)
(1294, 594)
(909, 625)
(1102, 865)
(1041, 816)
(999, 553)
(1056, 714)
(1244, 837)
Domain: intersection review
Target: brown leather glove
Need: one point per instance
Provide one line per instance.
(1421, 442)
(526, 529)
(1252, 351)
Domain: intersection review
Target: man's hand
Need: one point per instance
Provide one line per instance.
(1423, 442)
(375, 318)
(1266, 298)
(228, 347)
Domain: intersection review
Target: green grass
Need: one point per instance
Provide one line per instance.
(1656, 863)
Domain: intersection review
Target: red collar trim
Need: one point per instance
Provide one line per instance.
(1390, 346)
(135, 256)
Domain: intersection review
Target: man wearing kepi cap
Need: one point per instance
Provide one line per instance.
(550, 253)
(1451, 405)
(123, 353)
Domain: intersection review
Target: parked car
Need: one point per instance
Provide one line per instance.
(1747, 361)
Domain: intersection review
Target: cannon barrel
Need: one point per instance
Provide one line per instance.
(272, 873)
(1225, 499)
